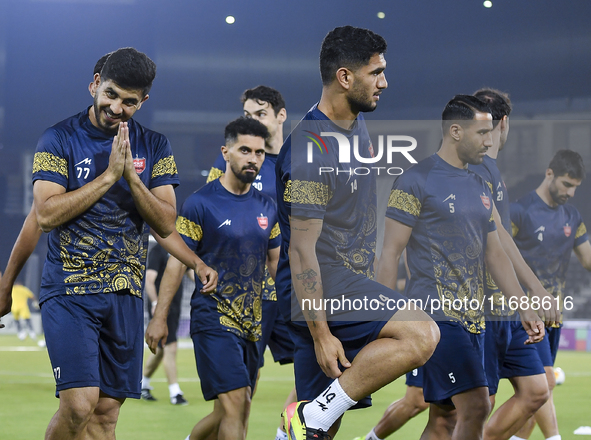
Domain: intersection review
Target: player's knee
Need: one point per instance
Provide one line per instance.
(479, 411)
(535, 396)
(236, 404)
(424, 340)
(77, 415)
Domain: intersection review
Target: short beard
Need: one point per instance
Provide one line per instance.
(245, 178)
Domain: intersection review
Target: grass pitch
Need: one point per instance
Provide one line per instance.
(27, 400)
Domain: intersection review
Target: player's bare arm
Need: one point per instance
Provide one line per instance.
(171, 280)
(583, 253)
(396, 236)
(23, 248)
(54, 206)
(500, 267)
(307, 283)
(551, 312)
(150, 288)
(272, 260)
(176, 246)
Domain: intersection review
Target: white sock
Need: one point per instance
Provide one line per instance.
(372, 435)
(281, 435)
(174, 389)
(331, 404)
(555, 437)
(516, 438)
(146, 383)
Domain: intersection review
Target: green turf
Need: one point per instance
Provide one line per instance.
(27, 402)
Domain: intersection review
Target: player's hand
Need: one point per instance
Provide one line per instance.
(157, 331)
(533, 325)
(117, 159)
(329, 352)
(208, 277)
(549, 310)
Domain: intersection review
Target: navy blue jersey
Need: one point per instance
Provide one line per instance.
(489, 171)
(104, 249)
(450, 212)
(344, 201)
(231, 234)
(265, 183)
(546, 237)
(265, 180)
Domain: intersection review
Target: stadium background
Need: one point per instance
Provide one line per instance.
(537, 51)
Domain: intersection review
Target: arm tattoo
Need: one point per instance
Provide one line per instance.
(308, 278)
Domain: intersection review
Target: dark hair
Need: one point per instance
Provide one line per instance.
(349, 47)
(262, 94)
(130, 69)
(100, 63)
(462, 108)
(245, 126)
(498, 103)
(568, 162)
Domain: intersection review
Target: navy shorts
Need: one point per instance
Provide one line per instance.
(96, 340)
(548, 347)
(275, 334)
(497, 340)
(414, 378)
(310, 380)
(225, 362)
(457, 365)
(521, 359)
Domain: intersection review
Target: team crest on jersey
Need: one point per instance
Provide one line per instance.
(263, 221)
(567, 230)
(485, 201)
(140, 164)
(370, 148)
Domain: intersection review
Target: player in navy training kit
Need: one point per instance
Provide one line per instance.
(547, 230)
(95, 193)
(29, 235)
(328, 223)
(442, 214)
(267, 106)
(234, 229)
(505, 354)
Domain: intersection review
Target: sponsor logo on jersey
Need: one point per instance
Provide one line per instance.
(140, 164)
(263, 221)
(485, 201)
(226, 222)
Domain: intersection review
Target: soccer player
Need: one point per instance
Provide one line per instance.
(29, 235)
(99, 177)
(442, 214)
(157, 259)
(267, 106)
(328, 225)
(20, 310)
(505, 354)
(234, 229)
(546, 230)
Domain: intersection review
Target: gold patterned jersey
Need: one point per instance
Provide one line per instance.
(314, 183)
(546, 237)
(104, 249)
(231, 234)
(450, 212)
(265, 183)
